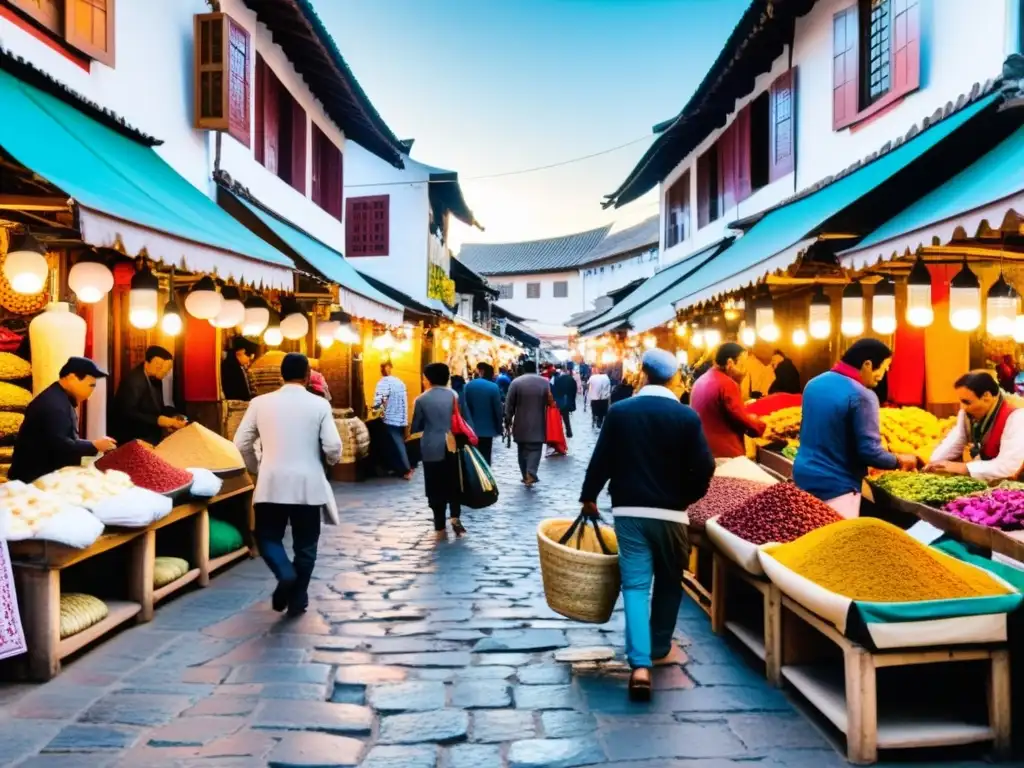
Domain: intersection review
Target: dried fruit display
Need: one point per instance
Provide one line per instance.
(13, 397)
(913, 430)
(724, 494)
(145, 468)
(10, 423)
(13, 368)
(783, 423)
(780, 513)
(925, 488)
(84, 486)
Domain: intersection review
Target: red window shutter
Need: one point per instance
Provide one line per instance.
(845, 67)
(298, 149)
(335, 193)
(355, 236)
(367, 228)
(741, 156)
(271, 120)
(89, 27)
(906, 50)
(781, 121)
(380, 224)
(340, 206)
(238, 82)
(703, 190)
(315, 190)
(727, 175)
(260, 118)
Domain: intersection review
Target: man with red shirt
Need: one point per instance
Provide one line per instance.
(717, 400)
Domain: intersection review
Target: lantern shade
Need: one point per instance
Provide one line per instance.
(799, 337)
(272, 336)
(819, 315)
(1001, 309)
(1018, 329)
(25, 266)
(171, 321)
(257, 316)
(748, 337)
(712, 337)
(232, 310)
(883, 307)
(764, 315)
(920, 313)
(682, 357)
(964, 300)
(143, 299)
(204, 301)
(294, 324)
(90, 279)
(852, 322)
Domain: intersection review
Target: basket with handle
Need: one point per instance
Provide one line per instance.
(579, 566)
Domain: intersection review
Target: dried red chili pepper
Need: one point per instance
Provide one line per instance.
(145, 468)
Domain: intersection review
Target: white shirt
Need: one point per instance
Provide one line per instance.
(1006, 465)
(391, 392)
(600, 387)
(293, 426)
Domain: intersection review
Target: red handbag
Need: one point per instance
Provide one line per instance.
(555, 431)
(459, 426)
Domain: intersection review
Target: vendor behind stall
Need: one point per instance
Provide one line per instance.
(716, 399)
(48, 439)
(839, 430)
(139, 412)
(234, 376)
(987, 442)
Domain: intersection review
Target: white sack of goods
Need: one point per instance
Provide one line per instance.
(205, 484)
(110, 495)
(29, 513)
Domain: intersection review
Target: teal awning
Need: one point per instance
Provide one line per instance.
(984, 190)
(127, 193)
(357, 296)
(777, 239)
(650, 296)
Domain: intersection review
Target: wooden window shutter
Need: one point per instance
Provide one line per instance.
(368, 223)
(89, 27)
(741, 156)
(355, 237)
(782, 122)
(49, 13)
(906, 51)
(340, 204)
(315, 188)
(845, 67)
(271, 120)
(727, 176)
(239, 91)
(335, 193)
(298, 148)
(258, 118)
(703, 190)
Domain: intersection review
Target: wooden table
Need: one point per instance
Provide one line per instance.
(38, 566)
(701, 553)
(764, 641)
(775, 463)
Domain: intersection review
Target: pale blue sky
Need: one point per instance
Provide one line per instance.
(490, 86)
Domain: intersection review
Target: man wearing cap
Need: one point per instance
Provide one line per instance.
(48, 439)
(654, 457)
(234, 376)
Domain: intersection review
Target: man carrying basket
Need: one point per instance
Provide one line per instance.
(653, 454)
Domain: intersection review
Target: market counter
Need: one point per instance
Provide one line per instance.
(38, 566)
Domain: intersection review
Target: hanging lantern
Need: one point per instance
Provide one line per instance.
(883, 307)
(852, 319)
(1001, 308)
(608, 357)
(799, 337)
(142, 299)
(683, 357)
(272, 336)
(712, 337)
(1018, 329)
(919, 296)
(733, 308)
(326, 332)
(344, 332)
(257, 316)
(748, 336)
(819, 317)
(25, 266)
(203, 301)
(697, 336)
(405, 345)
(232, 310)
(764, 315)
(965, 300)
(294, 324)
(650, 342)
(170, 323)
(385, 342)
(681, 330)
(90, 279)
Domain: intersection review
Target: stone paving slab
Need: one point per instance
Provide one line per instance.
(414, 654)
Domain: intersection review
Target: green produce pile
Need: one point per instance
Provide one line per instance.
(790, 451)
(923, 488)
(1011, 485)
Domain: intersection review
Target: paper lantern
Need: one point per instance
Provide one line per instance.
(272, 336)
(55, 335)
(1018, 329)
(712, 337)
(25, 266)
(143, 299)
(385, 342)
(764, 315)
(257, 316)
(852, 319)
(1001, 308)
(294, 324)
(171, 321)
(683, 357)
(203, 301)
(965, 300)
(799, 337)
(748, 336)
(90, 279)
(819, 316)
(232, 310)
(697, 337)
(920, 313)
(883, 307)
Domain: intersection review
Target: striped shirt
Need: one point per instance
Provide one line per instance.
(391, 392)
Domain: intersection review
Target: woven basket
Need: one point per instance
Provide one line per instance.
(78, 612)
(581, 584)
(168, 569)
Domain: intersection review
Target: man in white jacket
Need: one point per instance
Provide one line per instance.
(297, 434)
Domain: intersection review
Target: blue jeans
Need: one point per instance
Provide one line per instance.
(271, 522)
(650, 551)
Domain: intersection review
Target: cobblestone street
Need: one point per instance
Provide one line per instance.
(414, 654)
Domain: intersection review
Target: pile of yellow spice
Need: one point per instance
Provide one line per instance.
(871, 560)
(196, 447)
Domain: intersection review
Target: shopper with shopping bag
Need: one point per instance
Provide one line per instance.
(654, 457)
(526, 406)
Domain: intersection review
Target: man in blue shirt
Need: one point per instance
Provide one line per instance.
(481, 400)
(839, 432)
(504, 381)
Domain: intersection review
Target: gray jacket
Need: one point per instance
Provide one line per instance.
(432, 415)
(526, 408)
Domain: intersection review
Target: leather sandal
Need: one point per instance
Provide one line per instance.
(458, 527)
(640, 685)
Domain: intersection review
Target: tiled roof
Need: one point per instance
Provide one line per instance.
(640, 236)
(549, 255)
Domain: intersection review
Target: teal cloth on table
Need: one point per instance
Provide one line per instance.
(224, 538)
(108, 172)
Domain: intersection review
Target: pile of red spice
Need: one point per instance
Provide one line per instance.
(780, 513)
(724, 494)
(145, 468)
